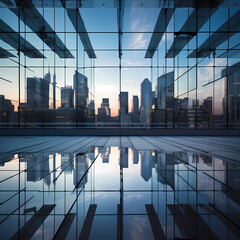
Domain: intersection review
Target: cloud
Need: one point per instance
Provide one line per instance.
(135, 24)
(138, 41)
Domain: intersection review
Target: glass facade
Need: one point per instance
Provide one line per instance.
(112, 64)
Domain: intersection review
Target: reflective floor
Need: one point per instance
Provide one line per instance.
(110, 188)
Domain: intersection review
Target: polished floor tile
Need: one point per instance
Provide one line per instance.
(120, 188)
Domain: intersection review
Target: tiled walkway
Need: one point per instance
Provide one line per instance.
(119, 187)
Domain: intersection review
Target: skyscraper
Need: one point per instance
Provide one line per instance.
(135, 105)
(123, 107)
(91, 111)
(146, 165)
(54, 90)
(38, 92)
(6, 110)
(80, 86)
(135, 109)
(67, 95)
(146, 100)
(164, 93)
(80, 177)
(45, 82)
(34, 98)
(104, 112)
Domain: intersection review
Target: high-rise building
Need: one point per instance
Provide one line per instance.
(80, 86)
(135, 156)
(123, 157)
(54, 90)
(38, 92)
(67, 162)
(45, 84)
(67, 96)
(135, 109)
(123, 107)
(91, 111)
(146, 100)
(104, 112)
(105, 155)
(146, 165)
(34, 98)
(135, 105)
(6, 110)
(80, 177)
(164, 94)
(231, 97)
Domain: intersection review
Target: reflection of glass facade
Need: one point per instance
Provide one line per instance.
(109, 192)
(60, 59)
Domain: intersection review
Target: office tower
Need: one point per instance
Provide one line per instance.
(37, 167)
(123, 157)
(54, 90)
(105, 155)
(67, 96)
(45, 83)
(6, 110)
(104, 112)
(135, 105)
(123, 107)
(38, 92)
(146, 100)
(135, 156)
(67, 162)
(135, 109)
(80, 177)
(80, 86)
(146, 165)
(153, 99)
(34, 98)
(91, 111)
(164, 94)
(231, 97)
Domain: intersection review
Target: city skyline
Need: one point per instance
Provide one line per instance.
(160, 104)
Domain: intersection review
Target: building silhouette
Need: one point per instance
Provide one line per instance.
(123, 161)
(91, 111)
(146, 101)
(146, 165)
(135, 109)
(123, 107)
(67, 96)
(54, 90)
(164, 99)
(231, 98)
(81, 166)
(80, 86)
(38, 92)
(6, 110)
(104, 112)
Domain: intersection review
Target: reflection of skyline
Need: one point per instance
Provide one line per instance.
(38, 165)
(175, 181)
(146, 165)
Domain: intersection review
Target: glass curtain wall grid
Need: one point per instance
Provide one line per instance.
(120, 64)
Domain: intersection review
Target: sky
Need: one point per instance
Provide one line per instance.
(137, 21)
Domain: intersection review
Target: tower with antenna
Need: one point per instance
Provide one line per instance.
(54, 90)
